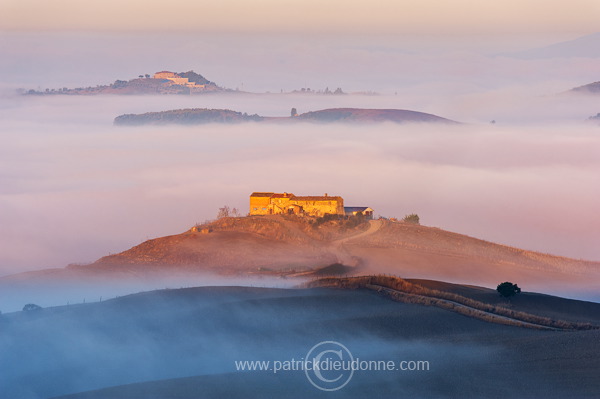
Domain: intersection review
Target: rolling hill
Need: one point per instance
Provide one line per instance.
(140, 86)
(333, 115)
(287, 246)
(194, 116)
(591, 88)
(184, 344)
(371, 116)
(284, 243)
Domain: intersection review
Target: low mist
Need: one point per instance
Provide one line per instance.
(202, 332)
(64, 290)
(75, 188)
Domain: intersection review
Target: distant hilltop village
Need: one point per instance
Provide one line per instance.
(163, 82)
(286, 203)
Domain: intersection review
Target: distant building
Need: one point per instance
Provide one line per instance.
(176, 79)
(355, 210)
(165, 75)
(287, 203)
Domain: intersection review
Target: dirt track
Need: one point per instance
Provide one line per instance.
(342, 254)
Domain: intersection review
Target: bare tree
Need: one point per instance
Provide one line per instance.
(223, 212)
(235, 213)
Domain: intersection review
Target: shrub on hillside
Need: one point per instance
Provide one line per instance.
(412, 218)
(355, 220)
(325, 218)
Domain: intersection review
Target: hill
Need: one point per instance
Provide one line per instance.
(595, 118)
(186, 117)
(540, 304)
(280, 243)
(371, 116)
(142, 85)
(582, 47)
(277, 246)
(184, 344)
(591, 88)
(334, 115)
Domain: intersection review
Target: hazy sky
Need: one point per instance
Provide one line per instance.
(376, 16)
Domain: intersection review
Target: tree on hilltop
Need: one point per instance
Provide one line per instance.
(195, 77)
(412, 218)
(224, 212)
(508, 289)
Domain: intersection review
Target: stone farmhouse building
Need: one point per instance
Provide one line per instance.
(266, 203)
(286, 203)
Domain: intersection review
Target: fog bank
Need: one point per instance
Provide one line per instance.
(75, 188)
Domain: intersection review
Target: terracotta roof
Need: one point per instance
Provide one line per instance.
(261, 194)
(318, 198)
(297, 198)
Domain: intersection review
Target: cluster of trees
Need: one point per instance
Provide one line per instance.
(119, 83)
(226, 212)
(412, 218)
(337, 91)
(347, 222)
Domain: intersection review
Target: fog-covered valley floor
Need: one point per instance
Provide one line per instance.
(201, 332)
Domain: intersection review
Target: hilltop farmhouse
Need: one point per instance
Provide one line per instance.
(263, 203)
(176, 79)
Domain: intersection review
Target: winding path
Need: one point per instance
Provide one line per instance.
(342, 254)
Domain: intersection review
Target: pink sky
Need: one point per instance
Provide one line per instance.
(378, 16)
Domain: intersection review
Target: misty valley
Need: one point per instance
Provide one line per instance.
(253, 230)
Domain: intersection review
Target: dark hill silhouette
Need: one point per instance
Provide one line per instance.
(371, 116)
(591, 88)
(140, 346)
(334, 115)
(193, 116)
